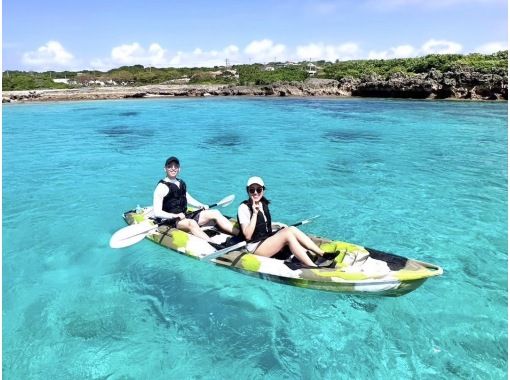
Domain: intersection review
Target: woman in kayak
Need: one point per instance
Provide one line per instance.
(255, 224)
(171, 200)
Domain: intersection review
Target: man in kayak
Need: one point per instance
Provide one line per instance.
(255, 221)
(171, 200)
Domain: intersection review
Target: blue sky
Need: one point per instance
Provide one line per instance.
(103, 34)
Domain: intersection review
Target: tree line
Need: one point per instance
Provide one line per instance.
(258, 74)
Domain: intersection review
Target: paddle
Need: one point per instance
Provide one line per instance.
(241, 244)
(134, 233)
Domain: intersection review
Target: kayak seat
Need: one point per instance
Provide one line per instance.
(330, 255)
(210, 232)
(395, 263)
(232, 240)
(295, 264)
(326, 256)
(283, 254)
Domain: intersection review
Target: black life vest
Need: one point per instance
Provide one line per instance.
(263, 227)
(175, 201)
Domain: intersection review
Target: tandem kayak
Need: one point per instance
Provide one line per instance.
(356, 269)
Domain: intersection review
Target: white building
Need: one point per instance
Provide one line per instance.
(61, 80)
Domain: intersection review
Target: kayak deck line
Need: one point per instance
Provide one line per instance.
(357, 269)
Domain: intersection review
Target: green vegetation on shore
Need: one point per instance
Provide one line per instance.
(258, 74)
(496, 63)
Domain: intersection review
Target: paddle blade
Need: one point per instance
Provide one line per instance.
(226, 201)
(131, 235)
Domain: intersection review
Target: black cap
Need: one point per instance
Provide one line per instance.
(169, 160)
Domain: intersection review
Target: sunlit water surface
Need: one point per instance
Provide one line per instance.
(422, 179)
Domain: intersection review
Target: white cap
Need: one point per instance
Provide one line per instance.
(256, 180)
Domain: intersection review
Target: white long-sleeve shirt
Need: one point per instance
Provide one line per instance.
(161, 191)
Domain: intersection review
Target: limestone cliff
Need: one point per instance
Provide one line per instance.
(432, 85)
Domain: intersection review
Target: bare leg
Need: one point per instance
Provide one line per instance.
(189, 225)
(208, 215)
(306, 241)
(275, 243)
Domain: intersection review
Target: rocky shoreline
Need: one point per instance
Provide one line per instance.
(465, 85)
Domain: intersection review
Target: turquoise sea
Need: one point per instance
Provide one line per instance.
(422, 179)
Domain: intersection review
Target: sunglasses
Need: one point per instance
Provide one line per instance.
(256, 190)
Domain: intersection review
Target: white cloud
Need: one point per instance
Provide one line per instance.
(133, 54)
(50, 55)
(433, 46)
(402, 51)
(201, 58)
(101, 64)
(265, 50)
(318, 51)
(231, 49)
(492, 47)
(157, 56)
(384, 54)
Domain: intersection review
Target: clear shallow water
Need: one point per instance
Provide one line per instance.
(422, 179)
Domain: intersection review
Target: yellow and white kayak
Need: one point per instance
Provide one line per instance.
(356, 269)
